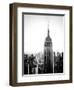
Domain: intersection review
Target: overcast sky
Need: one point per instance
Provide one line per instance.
(35, 32)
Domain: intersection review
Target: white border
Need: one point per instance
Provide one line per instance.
(48, 77)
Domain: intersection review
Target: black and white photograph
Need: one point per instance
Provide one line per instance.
(43, 44)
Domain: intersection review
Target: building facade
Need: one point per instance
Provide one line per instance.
(48, 55)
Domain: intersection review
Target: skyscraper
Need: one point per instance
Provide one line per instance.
(48, 55)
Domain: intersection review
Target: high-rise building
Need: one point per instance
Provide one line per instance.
(48, 55)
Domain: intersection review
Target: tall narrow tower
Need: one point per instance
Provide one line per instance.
(48, 55)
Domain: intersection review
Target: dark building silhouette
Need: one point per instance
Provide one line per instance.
(58, 63)
(29, 64)
(48, 55)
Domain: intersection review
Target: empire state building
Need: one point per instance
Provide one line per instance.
(48, 55)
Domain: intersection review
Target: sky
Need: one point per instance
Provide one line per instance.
(35, 32)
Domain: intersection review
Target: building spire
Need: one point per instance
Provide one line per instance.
(48, 32)
(48, 29)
